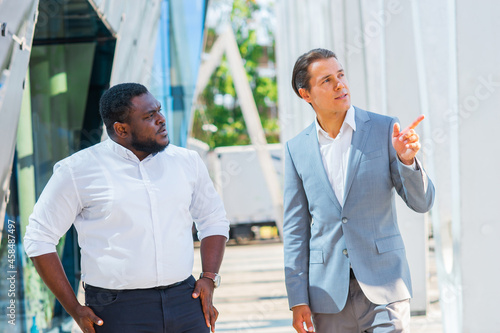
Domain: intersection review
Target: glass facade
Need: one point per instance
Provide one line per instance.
(177, 60)
(70, 67)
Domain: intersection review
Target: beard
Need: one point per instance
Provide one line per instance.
(149, 146)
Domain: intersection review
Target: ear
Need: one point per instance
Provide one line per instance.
(121, 129)
(305, 95)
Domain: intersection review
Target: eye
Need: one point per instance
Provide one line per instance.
(326, 81)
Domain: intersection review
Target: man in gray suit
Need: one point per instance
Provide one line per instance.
(345, 262)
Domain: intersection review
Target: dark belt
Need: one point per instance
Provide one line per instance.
(97, 289)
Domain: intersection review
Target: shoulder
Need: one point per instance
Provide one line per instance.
(299, 139)
(379, 124)
(186, 159)
(180, 153)
(81, 160)
(376, 118)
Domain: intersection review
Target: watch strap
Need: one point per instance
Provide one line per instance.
(212, 276)
(209, 275)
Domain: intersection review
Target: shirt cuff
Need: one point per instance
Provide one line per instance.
(214, 231)
(38, 248)
(413, 166)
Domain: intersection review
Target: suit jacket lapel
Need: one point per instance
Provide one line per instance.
(317, 165)
(359, 138)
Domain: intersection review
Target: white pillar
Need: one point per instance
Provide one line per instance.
(478, 68)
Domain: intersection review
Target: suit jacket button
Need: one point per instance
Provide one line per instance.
(344, 251)
(344, 220)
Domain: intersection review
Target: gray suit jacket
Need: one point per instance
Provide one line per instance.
(322, 238)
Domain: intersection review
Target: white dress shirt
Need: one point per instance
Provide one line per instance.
(335, 153)
(133, 218)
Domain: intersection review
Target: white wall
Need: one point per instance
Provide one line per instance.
(478, 64)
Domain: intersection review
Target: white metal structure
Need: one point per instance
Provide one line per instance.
(135, 25)
(226, 44)
(17, 25)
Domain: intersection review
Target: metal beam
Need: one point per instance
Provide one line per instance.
(226, 43)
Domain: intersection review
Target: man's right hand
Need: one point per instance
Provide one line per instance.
(86, 318)
(301, 315)
(52, 273)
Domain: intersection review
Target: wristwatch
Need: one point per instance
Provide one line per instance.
(212, 276)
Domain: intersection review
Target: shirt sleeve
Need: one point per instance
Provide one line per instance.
(206, 207)
(53, 214)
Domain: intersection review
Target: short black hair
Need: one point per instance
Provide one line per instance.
(300, 74)
(116, 103)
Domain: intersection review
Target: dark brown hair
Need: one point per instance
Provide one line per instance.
(300, 74)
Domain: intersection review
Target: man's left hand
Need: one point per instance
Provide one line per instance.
(204, 289)
(406, 142)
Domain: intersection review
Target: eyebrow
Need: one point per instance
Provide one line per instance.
(158, 108)
(325, 77)
(328, 75)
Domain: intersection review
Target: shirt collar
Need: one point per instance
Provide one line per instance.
(349, 120)
(121, 150)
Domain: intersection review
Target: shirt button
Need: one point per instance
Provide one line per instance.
(344, 220)
(344, 251)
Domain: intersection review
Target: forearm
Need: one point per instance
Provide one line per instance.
(212, 251)
(296, 238)
(50, 269)
(418, 188)
(296, 235)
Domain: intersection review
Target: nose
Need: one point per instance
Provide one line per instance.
(160, 119)
(339, 85)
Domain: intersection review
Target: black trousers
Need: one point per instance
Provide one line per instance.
(148, 310)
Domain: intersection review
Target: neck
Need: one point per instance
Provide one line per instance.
(332, 122)
(140, 154)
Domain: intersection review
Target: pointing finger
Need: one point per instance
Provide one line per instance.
(414, 124)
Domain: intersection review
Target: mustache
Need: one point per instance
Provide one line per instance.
(162, 128)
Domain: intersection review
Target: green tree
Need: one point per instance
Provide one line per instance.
(218, 120)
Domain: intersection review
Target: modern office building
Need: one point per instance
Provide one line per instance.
(56, 59)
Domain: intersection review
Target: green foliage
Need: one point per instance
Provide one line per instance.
(39, 299)
(227, 117)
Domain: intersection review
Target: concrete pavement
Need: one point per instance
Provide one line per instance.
(252, 296)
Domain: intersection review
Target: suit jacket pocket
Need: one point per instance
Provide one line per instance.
(315, 257)
(390, 243)
(371, 155)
